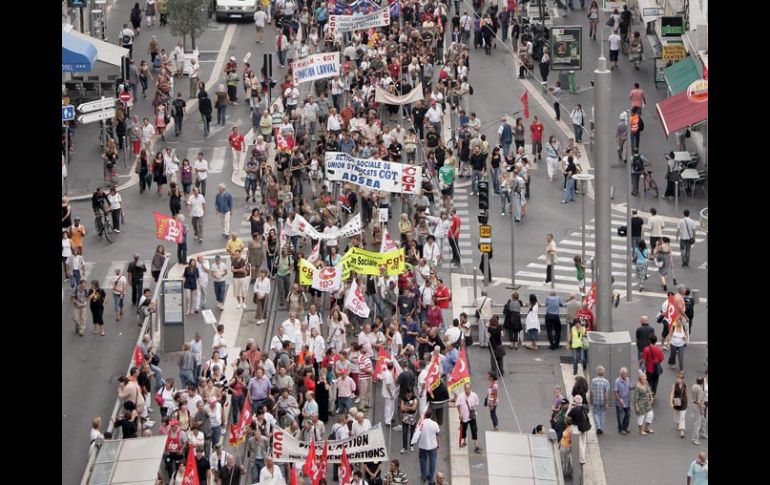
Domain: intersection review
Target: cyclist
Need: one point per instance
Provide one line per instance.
(638, 164)
(100, 205)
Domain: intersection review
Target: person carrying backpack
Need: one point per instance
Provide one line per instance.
(127, 39)
(512, 322)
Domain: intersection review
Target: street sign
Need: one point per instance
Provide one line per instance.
(98, 116)
(125, 96)
(485, 248)
(97, 105)
(67, 112)
(485, 230)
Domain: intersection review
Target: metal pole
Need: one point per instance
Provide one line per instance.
(583, 223)
(125, 151)
(484, 268)
(475, 283)
(676, 197)
(602, 97)
(629, 282)
(82, 22)
(513, 259)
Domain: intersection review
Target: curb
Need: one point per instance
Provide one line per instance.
(132, 180)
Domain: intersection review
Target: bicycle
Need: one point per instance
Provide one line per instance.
(649, 183)
(103, 225)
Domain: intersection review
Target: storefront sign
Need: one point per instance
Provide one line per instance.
(317, 66)
(361, 448)
(674, 51)
(698, 91)
(350, 23)
(374, 174)
(671, 26)
(567, 48)
(609, 6)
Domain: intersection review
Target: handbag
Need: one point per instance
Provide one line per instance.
(477, 314)
(584, 341)
(610, 22)
(658, 368)
(677, 401)
(159, 398)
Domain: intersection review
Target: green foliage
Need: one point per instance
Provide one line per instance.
(185, 17)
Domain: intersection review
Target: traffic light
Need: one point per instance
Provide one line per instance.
(483, 187)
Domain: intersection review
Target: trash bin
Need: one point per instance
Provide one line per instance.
(571, 82)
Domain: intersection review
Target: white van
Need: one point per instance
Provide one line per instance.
(235, 9)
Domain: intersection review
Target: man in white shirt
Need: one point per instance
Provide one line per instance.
(201, 169)
(291, 95)
(276, 344)
(196, 347)
(334, 122)
(216, 418)
(427, 292)
(259, 21)
(204, 270)
(148, 136)
(313, 319)
(330, 228)
(614, 40)
(435, 115)
(453, 334)
(421, 272)
(197, 207)
(218, 274)
(656, 225)
(428, 444)
(195, 70)
(685, 232)
(127, 39)
(261, 290)
(360, 425)
(317, 345)
(466, 403)
(220, 345)
(431, 251)
(301, 336)
(389, 392)
(271, 471)
(290, 324)
(171, 162)
(466, 24)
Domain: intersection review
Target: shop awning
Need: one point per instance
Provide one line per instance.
(649, 10)
(681, 74)
(76, 55)
(105, 52)
(678, 112)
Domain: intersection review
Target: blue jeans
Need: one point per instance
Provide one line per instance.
(219, 290)
(505, 199)
(187, 376)
(75, 278)
(624, 416)
(475, 177)
(506, 145)
(205, 125)
(600, 415)
(221, 115)
(236, 405)
(578, 132)
(496, 180)
(216, 433)
(428, 465)
(158, 376)
(118, 299)
(517, 206)
(344, 404)
(569, 196)
(576, 358)
(282, 58)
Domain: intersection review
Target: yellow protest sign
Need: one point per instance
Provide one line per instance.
(368, 262)
(306, 270)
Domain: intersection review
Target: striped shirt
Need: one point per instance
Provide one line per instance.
(365, 367)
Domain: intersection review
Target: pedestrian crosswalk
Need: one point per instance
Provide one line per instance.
(460, 201)
(567, 248)
(214, 155)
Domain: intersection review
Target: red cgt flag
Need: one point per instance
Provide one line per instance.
(310, 462)
(433, 379)
(238, 430)
(293, 474)
(345, 471)
(320, 470)
(591, 297)
(672, 312)
(525, 103)
(138, 356)
(460, 373)
(191, 469)
(382, 361)
(284, 142)
(167, 228)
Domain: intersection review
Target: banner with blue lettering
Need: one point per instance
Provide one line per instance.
(374, 174)
(317, 66)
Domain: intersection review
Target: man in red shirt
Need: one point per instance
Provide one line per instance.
(586, 317)
(238, 144)
(454, 236)
(443, 295)
(537, 128)
(637, 98)
(652, 355)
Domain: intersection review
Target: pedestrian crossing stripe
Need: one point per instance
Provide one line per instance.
(591, 244)
(570, 266)
(622, 239)
(216, 159)
(110, 277)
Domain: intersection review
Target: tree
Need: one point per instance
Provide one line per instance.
(186, 18)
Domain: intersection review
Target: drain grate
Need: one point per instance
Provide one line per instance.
(565, 359)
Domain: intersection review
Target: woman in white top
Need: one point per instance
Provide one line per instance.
(532, 322)
(338, 323)
(116, 208)
(66, 252)
(441, 230)
(593, 19)
(678, 338)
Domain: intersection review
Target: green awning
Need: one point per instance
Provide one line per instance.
(681, 74)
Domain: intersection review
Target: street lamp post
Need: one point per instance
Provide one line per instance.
(583, 178)
(629, 162)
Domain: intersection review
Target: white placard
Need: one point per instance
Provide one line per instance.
(317, 66)
(374, 174)
(350, 23)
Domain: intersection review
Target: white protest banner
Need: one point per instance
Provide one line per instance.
(300, 226)
(317, 66)
(350, 23)
(355, 301)
(328, 278)
(382, 96)
(374, 174)
(387, 242)
(315, 253)
(364, 447)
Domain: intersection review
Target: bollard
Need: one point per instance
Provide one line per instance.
(695, 296)
(676, 197)
(475, 283)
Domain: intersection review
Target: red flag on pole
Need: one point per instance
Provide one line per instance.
(672, 312)
(525, 103)
(382, 361)
(167, 228)
(292, 474)
(310, 461)
(591, 297)
(320, 471)
(460, 374)
(238, 430)
(345, 471)
(433, 379)
(191, 469)
(138, 356)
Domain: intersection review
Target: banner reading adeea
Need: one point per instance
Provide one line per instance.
(374, 174)
(364, 447)
(350, 23)
(368, 262)
(317, 66)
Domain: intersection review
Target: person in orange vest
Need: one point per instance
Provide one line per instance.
(637, 126)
